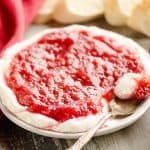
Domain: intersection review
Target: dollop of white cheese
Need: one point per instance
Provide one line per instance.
(126, 85)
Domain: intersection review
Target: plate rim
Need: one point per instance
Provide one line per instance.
(103, 131)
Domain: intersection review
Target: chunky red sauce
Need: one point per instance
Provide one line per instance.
(142, 91)
(65, 74)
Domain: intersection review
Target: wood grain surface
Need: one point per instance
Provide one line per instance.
(135, 137)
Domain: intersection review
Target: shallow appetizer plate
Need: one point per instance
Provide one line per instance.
(111, 125)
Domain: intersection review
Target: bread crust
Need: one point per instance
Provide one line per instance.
(45, 13)
(75, 11)
(118, 11)
(113, 13)
(140, 19)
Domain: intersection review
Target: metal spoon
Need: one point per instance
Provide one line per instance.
(118, 108)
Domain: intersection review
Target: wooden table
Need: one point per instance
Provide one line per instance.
(135, 137)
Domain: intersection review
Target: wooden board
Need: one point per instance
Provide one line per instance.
(135, 137)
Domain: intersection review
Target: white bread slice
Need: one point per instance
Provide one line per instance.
(140, 19)
(45, 13)
(117, 11)
(73, 11)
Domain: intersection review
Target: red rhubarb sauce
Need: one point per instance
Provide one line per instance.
(142, 91)
(66, 73)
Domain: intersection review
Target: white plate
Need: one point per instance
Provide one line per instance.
(116, 124)
(113, 124)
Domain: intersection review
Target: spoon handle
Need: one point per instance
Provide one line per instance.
(89, 134)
